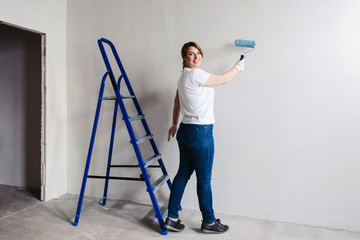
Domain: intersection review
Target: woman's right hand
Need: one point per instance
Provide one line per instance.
(240, 64)
(172, 131)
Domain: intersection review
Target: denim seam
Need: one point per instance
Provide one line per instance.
(208, 156)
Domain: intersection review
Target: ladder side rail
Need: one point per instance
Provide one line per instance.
(110, 153)
(138, 108)
(139, 156)
(111, 146)
(91, 145)
(147, 182)
(141, 162)
(151, 193)
(107, 64)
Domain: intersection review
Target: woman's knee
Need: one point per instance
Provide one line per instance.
(204, 183)
(183, 176)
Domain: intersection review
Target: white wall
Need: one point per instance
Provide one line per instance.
(48, 17)
(287, 129)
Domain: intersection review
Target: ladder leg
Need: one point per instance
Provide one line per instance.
(88, 159)
(153, 199)
(149, 187)
(158, 214)
(110, 153)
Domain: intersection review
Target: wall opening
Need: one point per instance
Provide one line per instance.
(22, 111)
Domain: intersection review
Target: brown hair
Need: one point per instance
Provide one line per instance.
(185, 48)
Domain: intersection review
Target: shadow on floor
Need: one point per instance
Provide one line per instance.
(14, 199)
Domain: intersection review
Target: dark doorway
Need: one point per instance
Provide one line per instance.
(20, 108)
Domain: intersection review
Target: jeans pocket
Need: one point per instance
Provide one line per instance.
(190, 136)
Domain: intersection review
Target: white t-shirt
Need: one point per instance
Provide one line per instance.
(196, 100)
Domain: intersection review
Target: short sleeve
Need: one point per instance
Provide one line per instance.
(200, 77)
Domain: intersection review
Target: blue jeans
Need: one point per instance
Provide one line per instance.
(196, 145)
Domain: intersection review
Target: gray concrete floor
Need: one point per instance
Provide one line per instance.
(22, 216)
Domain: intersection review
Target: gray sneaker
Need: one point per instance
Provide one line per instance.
(174, 226)
(218, 227)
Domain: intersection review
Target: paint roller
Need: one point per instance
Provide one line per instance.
(248, 45)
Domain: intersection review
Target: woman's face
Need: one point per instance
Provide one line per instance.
(193, 58)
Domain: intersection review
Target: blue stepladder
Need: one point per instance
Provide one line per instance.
(151, 188)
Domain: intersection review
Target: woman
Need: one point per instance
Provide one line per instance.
(195, 99)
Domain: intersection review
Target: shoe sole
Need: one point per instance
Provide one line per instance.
(212, 232)
(173, 229)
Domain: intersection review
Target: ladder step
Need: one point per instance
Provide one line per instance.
(109, 98)
(164, 209)
(116, 178)
(158, 183)
(137, 117)
(126, 97)
(114, 97)
(131, 166)
(152, 159)
(144, 139)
